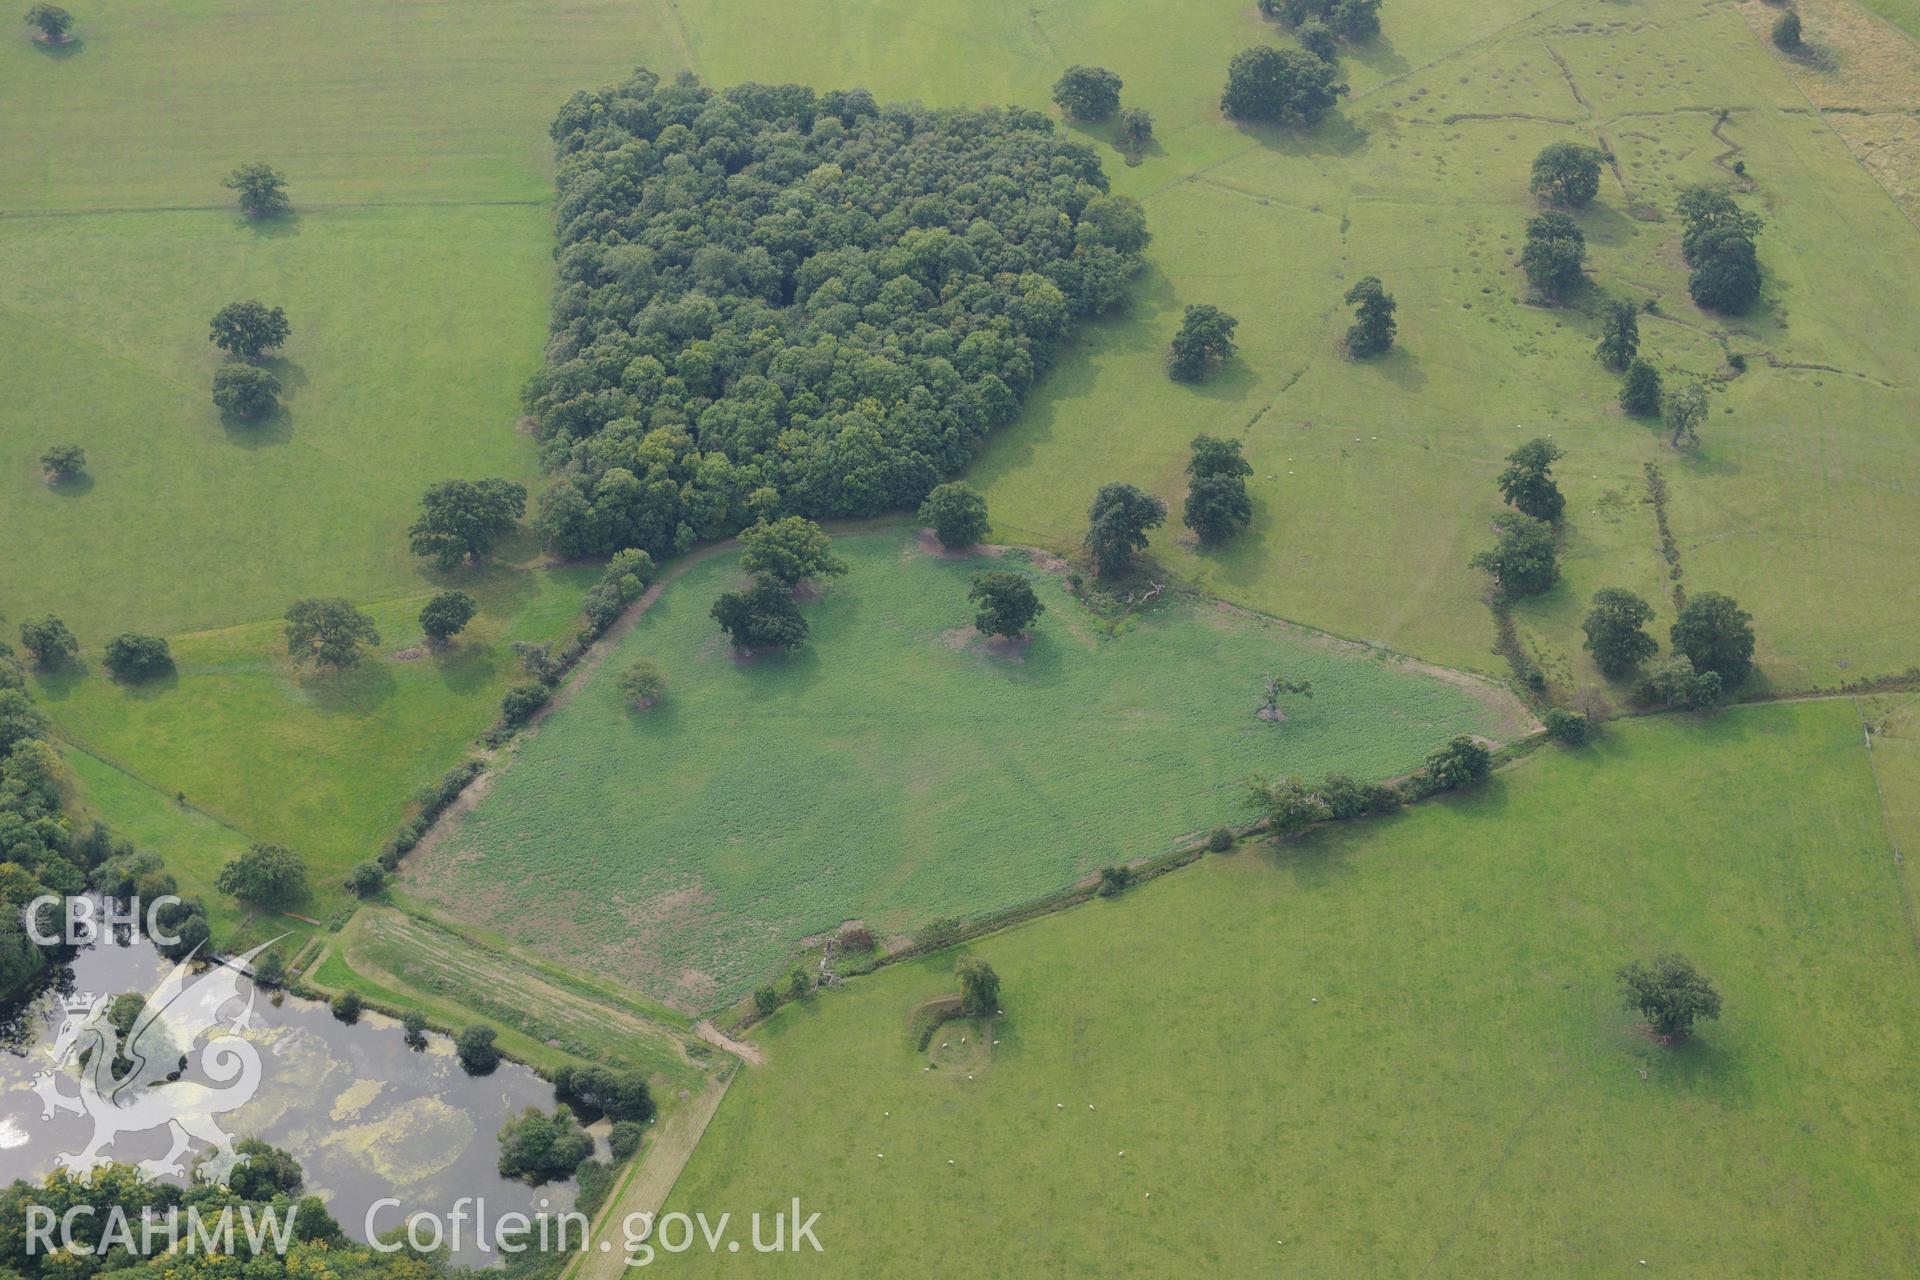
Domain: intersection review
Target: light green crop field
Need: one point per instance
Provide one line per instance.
(1426, 1071)
(322, 762)
(896, 770)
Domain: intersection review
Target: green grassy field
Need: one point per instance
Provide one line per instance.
(895, 770)
(1466, 1097)
(323, 762)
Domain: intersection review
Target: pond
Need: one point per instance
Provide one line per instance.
(367, 1117)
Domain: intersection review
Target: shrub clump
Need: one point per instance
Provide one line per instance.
(774, 301)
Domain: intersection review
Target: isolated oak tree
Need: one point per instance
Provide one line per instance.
(1671, 994)
(1567, 173)
(1007, 605)
(979, 987)
(789, 551)
(1555, 254)
(1640, 394)
(762, 617)
(1217, 504)
(133, 656)
(1523, 559)
(267, 875)
(1527, 483)
(1136, 129)
(956, 514)
(1619, 334)
(249, 329)
(245, 393)
(63, 463)
(1685, 410)
(328, 630)
(446, 615)
(462, 520)
(1204, 342)
(1266, 85)
(52, 22)
(643, 683)
(1117, 524)
(1715, 634)
(262, 191)
(47, 640)
(1087, 93)
(1616, 630)
(1372, 331)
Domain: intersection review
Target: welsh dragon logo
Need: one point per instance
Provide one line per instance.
(132, 1083)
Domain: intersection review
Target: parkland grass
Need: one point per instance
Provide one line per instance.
(897, 769)
(1425, 1070)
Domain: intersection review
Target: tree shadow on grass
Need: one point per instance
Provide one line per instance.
(152, 687)
(354, 691)
(1378, 56)
(57, 683)
(275, 428)
(1337, 134)
(1401, 367)
(74, 486)
(278, 227)
(465, 666)
(61, 51)
(291, 374)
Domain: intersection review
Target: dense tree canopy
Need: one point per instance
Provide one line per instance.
(789, 551)
(1616, 630)
(1640, 394)
(1280, 86)
(1203, 342)
(328, 630)
(245, 393)
(762, 617)
(1527, 483)
(1006, 603)
(1716, 635)
(1555, 253)
(1087, 93)
(1523, 560)
(1671, 994)
(63, 462)
(540, 1148)
(1718, 244)
(1117, 524)
(447, 614)
(1619, 334)
(267, 875)
(248, 329)
(956, 514)
(51, 21)
(1217, 503)
(263, 192)
(1355, 20)
(979, 987)
(1685, 410)
(1567, 173)
(48, 640)
(462, 520)
(133, 656)
(778, 302)
(1373, 327)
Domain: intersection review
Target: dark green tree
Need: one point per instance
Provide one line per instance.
(789, 551)
(346, 1007)
(1317, 38)
(1117, 524)
(1566, 726)
(1213, 456)
(1726, 271)
(1522, 561)
(267, 875)
(762, 617)
(1671, 994)
(413, 1029)
(979, 987)
(1616, 630)
(1555, 252)
(1567, 173)
(1527, 484)
(518, 704)
(643, 683)
(1373, 327)
(1217, 508)
(1619, 334)
(463, 520)
(1716, 635)
(1640, 395)
(446, 615)
(1007, 605)
(538, 1148)
(132, 656)
(1786, 31)
(956, 514)
(1205, 341)
(249, 329)
(263, 192)
(475, 1048)
(1280, 86)
(765, 1000)
(1136, 129)
(1087, 93)
(1704, 209)
(1674, 682)
(1355, 20)
(51, 21)
(245, 393)
(1288, 804)
(47, 640)
(1685, 410)
(63, 463)
(366, 879)
(1460, 763)
(328, 630)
